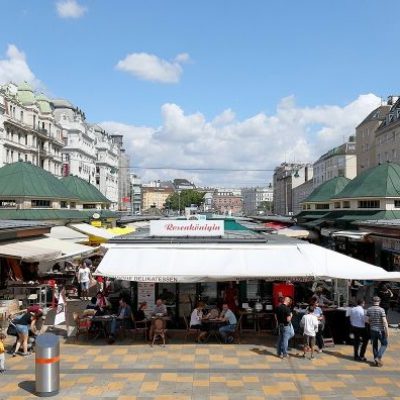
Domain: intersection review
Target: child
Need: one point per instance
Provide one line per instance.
(309, 323)
(2, 353)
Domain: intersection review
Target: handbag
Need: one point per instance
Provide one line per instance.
(291, 330)
(12, 330)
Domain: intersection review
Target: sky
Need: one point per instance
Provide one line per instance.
(223, 85)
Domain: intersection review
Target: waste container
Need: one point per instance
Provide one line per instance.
(47, 363)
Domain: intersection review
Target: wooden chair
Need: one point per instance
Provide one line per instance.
(189, 331)
(158, 330)
(236, 334)
(141, 327)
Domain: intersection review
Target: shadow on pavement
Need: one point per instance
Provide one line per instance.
(28, 386)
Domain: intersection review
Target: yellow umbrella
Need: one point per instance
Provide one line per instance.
(121, 231)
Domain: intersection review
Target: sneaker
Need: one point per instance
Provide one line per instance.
(319, 350)
(14, 354)
(363, 359)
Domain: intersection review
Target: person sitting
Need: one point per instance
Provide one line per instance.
(196, 321)
(160, 308)
(124, 316)
(140, 314)
(229, 317)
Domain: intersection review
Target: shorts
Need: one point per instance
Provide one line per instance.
(22, 329)
(84, 285)
(309, 341)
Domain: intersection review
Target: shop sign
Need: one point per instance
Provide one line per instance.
(183, 228)
(146, 293)
(391, 244)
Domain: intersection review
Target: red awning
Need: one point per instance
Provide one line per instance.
(275, 225)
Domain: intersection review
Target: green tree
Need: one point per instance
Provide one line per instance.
(183, 199)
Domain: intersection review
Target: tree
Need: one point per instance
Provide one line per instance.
(185, 198)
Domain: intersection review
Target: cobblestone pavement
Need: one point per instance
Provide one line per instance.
(134, 370)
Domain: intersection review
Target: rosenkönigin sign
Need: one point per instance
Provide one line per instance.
(183, 228)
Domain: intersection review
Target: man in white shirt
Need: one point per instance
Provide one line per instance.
(359, 330)
(309, 323)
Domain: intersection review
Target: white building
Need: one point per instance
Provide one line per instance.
(287, 177)
(136, 191)
(28, 129)
(256, 198)
(340, 161)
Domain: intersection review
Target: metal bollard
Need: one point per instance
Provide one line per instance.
(47, 362)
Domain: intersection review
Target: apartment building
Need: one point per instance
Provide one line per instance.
(339, 161)
(227, 201)
(255, 198)
(286, 177)
(155, 197)
(28, 129)
(365, 137)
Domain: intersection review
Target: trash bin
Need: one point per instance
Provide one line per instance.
(47, 362)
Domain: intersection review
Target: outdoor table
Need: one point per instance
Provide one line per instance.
(257, 316)
(214, 325)
(104, 321)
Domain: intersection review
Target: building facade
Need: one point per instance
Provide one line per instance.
(257, 198)
(287, 177)
(300, 193)
(339, 161)
(136, 191)
(227, 202)
(365, 137)
(28, 129)
(155, 197)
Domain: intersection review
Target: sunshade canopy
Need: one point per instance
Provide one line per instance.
(93, 231)
(65, 233)
(221, 262)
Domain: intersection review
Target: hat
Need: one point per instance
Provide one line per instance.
(88, 262)
(376, 299)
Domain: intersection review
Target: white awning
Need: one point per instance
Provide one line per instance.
(93, 231)
(68, 234)
(353, 235)
(29, 251)
(297, 232)
(66, 248)
(221, 262)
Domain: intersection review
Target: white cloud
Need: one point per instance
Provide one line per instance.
(259, 142)
(14, 67)
(70, 9)
(149, 67)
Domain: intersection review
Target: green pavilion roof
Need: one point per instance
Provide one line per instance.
(22, 179)
(380, 181)
(84, 190)
(325, 191)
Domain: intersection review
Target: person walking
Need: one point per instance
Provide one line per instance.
(319, 339)
(378, 325)
(309, 323)
(84, 276)
(284, 317)
(359, 330)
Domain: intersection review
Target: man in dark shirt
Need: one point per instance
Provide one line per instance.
(284, 317)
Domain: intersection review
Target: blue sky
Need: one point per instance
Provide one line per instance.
(241, 56)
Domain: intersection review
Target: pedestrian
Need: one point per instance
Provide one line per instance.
(359, 330)
(285, 330)
(2, 353)
(385, 295)
(379, 331)
(309, 323)
(321, 324)
(84, 276)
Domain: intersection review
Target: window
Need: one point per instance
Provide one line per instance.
(8, 204)
(346, 204)
(397, 204)
(369, 204)
(324, 206)
(63, 204)
(308, 206)
(72, 205)
(40, 203)
(336, 204)
(89, 206)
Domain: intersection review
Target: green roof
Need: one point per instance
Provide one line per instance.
(311, 214)
(22, 179)
(82, 189)
(232, 225)
(41, 214)
(25, 93)
(325, 191)
(43, 103)
(380, 181)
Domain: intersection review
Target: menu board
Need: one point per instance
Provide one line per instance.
(146, 293)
